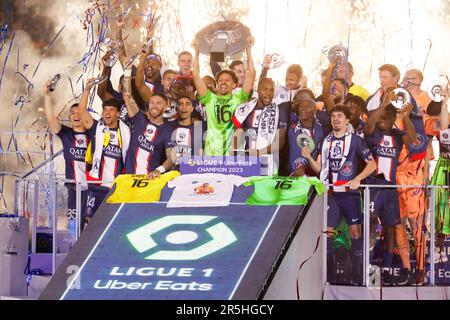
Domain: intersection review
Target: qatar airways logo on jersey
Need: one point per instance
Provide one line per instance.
(145, 144)
(335, 165)
(78, 154)
(112, 151)
(386, 150)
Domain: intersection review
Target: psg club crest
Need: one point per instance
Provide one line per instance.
(299, 162)
(419, 143)
(347, 169)
(150, 133)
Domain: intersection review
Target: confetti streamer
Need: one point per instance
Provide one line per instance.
(6, 59)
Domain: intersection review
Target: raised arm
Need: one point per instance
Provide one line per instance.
(326, 90)
(102, 88)
(316, 165)
(249, 82)
(131, 104)
(265, 70)
(142, 88)
(369, 127)
(202, 89)
(119, 36)
(410, 130)
(53, 122)
(86, 117)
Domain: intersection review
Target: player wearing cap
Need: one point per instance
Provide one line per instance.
(221, 106)
(386, 144)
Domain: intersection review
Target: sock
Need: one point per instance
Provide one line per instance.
(357, 250)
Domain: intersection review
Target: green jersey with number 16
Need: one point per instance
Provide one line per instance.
(219, 114)
(287, 191)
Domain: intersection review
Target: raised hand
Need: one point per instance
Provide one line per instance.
(267, 61)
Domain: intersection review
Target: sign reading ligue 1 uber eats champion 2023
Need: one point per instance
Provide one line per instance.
(190, 253)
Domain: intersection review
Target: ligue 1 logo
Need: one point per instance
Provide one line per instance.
(445, 136)
(143, 239)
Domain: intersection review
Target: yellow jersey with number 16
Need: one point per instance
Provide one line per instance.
(131, 188)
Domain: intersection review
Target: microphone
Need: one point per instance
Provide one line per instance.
(55, 80)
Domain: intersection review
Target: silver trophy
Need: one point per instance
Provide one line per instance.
(436, 89)
(403, 97)
(99, 80)
(304, 140)
(113, 48)
(337, 53)
(225, 38)
(276, 61)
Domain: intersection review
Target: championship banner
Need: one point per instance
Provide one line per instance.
(244, 166)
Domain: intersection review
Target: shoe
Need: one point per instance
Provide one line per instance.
(403, 279)
(417, 279)
(386, 278)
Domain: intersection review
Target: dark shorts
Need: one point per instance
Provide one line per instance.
(72, 202)
(384, 205)
(344, 204)
(95, 197)
(72, 206)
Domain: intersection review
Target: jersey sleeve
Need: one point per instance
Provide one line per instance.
(318, 185)
(399, 135)
(374, 138)
(238, 181)
(63, 132)
(362, 150)
(250, 182)
(167, 137)
(206, 98)
(177, 181)
(241, 96)
(93, 129)
(171, 175)
(283, 119)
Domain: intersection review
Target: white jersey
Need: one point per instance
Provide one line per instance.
(203, 190)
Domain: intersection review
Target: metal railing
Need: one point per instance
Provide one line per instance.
(366, 190)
